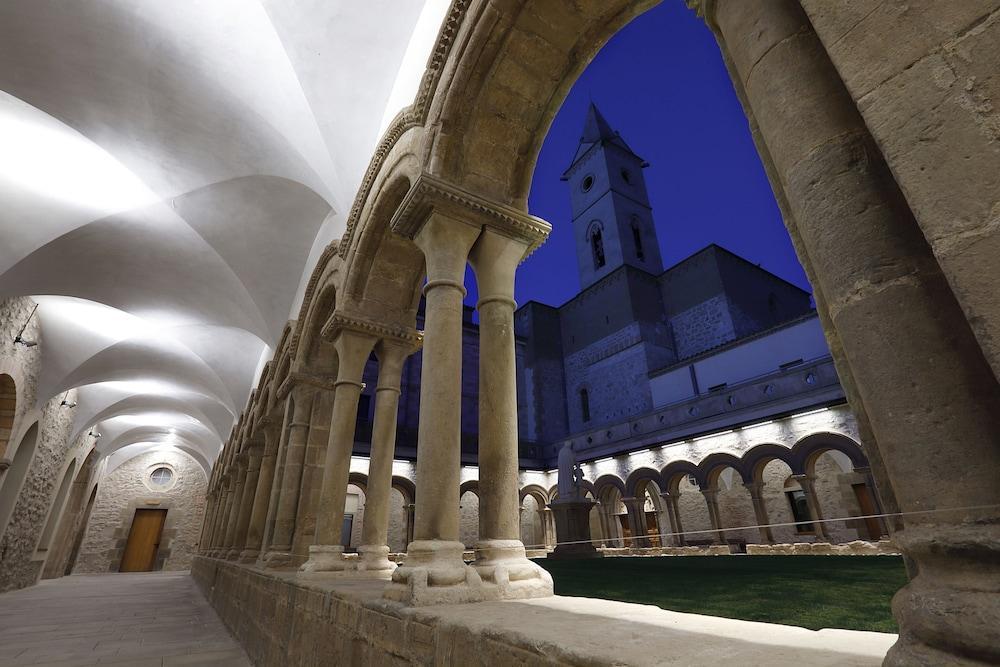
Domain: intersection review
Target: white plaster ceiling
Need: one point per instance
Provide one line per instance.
(169, 171)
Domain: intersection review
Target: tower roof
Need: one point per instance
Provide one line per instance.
(596, 130)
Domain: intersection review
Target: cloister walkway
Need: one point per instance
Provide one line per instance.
(114, 619)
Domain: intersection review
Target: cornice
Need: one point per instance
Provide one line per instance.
(341, 321)
(430, 193)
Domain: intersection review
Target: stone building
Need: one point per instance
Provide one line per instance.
(215, 214)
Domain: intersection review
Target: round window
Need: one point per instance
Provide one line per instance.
(161, 477)
(588, 182)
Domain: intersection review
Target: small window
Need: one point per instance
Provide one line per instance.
(587, 183)
(800, 511)
(161, 477)
(626, 176)
(637, 239)
(810, 378)
(585, 405)
(597, 245)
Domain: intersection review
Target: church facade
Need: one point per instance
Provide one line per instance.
(701, 399)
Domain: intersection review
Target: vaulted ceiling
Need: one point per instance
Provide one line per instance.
(169, 174)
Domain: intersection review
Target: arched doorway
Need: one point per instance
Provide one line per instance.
(16, 474)
(8, 409)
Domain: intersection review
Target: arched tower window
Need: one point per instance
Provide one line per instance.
(597, 245)
(585, 405)
(637, 239)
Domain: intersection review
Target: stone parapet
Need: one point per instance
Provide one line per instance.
(284, 618)
(855, 548)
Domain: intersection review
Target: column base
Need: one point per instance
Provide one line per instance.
(948, 613)
(275, 559)
(232, 554)
(248, 556)
(326, 558)
(434, 573)
(374, 558)
(503, 566)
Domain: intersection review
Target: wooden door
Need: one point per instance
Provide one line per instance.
(143, 541)
(875, 527)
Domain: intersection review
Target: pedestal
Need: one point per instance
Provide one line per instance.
(326, 558)
(434, 573)
(573, 529)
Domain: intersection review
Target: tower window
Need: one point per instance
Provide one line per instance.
(597, 244)
(637, 238)
(627, 176)
(587, 183)
(585, 405)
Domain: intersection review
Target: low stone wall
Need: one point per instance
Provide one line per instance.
(856, 548)
(284, 618)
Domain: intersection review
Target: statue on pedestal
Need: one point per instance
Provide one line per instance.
(572, 510)
(570, 474)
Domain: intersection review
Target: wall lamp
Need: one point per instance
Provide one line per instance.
(18, 340)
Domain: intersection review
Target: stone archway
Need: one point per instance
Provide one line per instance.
(8, 410)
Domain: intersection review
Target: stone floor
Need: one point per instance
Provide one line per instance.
(114, 619)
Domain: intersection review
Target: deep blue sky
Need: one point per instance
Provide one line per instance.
(661, 83)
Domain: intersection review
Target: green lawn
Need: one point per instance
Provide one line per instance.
(851, 592)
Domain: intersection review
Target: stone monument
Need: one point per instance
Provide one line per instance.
(572, 510)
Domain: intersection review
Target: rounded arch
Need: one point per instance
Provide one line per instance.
(407, 488)
(811, 447)
(13, 479)
(713, 465)
(469, 485)
(312, 350)
(609, 481)
(8, 410)
(757, 458)
(360, 480)
(536, 492)
(675, 470)
(638, 479)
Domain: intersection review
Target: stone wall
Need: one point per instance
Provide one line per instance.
(125, 489)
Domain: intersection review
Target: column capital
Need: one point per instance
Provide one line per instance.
(755, 488)
(304, 382)
(342, 321)
(430, 193)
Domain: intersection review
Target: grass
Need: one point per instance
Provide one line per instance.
(850, 592)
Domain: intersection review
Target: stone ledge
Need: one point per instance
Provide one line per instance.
(286, 618)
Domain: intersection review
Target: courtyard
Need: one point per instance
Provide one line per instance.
(814, 592)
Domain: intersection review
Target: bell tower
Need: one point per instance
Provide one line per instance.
(612, 219)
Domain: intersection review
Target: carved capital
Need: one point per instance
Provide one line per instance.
(430, 193)
(299, 379)
(341, 321)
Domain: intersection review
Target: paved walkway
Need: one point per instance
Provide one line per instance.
(114, 619)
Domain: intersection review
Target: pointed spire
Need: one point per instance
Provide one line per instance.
(596, 128)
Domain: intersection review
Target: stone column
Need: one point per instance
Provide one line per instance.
(669, 510)
(279, 474)
(206, 525)
(712, 500)
(232, 519)
(928, 392)
(254, 453)
(262, 496)
(636, 509)
(500, 555)
(434, 570)
(374, 548)
(409, 508)
(543, 517)
(807, 482)
(280, 549)
(327, 553)
(756, 490)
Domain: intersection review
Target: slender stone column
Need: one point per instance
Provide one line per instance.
(327, 553)
(409, 509)
(604, 517)
(232, 520)
(262, 496)
(756, 490)
(222, 525)
(500, 555)
(279, 551)
(279, 474)
(712, 500)
(434, 571)
(374, 549)
(206, 526)
(674, 515)
(636, 514)
(254, 453)
(808, 484)
(543, 516)
(928, 392)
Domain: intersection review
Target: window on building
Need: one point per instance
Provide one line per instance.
(161, 477)
(800, 511)
(597, 244)
(637, 238)
(585, 405)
